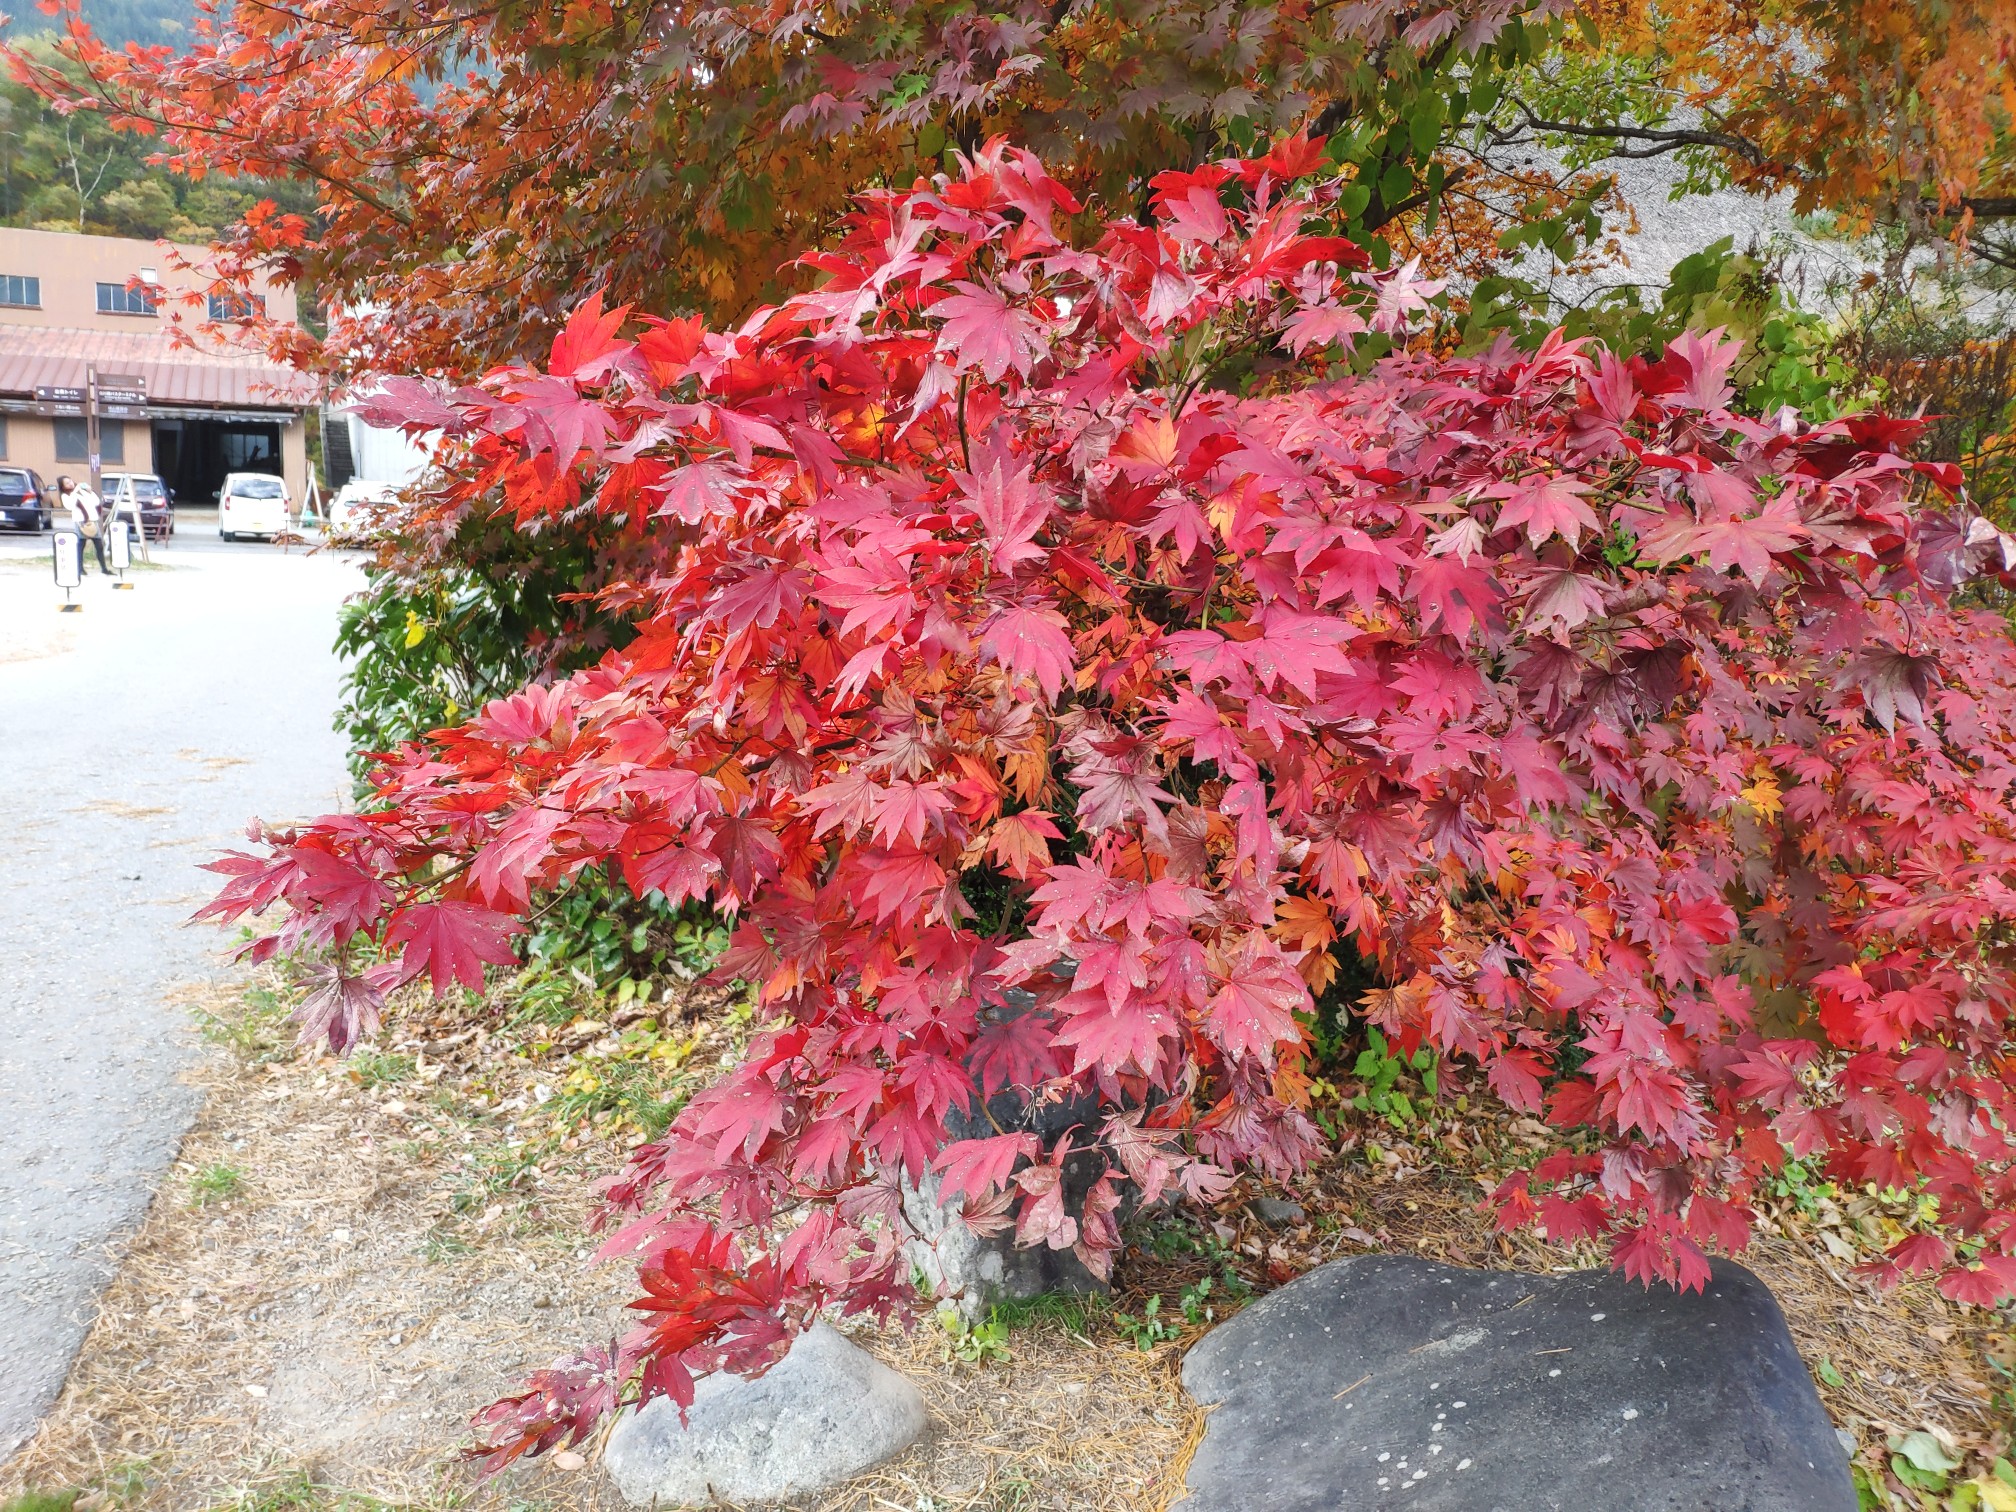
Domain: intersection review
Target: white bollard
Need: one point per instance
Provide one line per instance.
(66, 550)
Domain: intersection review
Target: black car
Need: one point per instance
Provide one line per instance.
(24, 505)
(155, 499)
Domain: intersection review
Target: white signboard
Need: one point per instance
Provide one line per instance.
(121, 544)
(68, 548)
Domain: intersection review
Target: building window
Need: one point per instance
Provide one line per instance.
(236, 306)
(117, 299)
(3, 435)
(74, 445)
(21, 293)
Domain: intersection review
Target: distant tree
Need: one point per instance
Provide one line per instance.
(150, 23)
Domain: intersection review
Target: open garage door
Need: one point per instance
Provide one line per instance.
(193, 455)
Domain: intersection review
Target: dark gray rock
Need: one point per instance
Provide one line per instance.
(973, 1271)
(826, 1412)
(1387, 1381)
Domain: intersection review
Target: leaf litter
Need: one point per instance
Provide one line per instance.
(348, 1258)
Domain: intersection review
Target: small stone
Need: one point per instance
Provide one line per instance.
(1276, 1212)
(567, 1459)
(826, 1412)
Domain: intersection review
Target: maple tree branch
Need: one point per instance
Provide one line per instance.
(1991, 252)
(1989, 206)
(1658, 141)
(1417, 199)
(965, 449)
(115, 109)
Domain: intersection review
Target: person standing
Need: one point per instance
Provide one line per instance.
(87, 518)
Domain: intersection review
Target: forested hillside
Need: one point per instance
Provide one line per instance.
(75, 173)
(148, 22)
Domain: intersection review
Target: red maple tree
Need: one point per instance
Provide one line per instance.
(1054, 654)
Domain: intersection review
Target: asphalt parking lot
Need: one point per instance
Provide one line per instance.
(137, 737)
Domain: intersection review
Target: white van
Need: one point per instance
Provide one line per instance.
(251, 504)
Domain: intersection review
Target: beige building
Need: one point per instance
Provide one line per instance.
(69, 306)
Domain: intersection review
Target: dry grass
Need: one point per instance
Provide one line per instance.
(325, 1320)
(348, 1260)
(1074, 1421)
(337, 1273)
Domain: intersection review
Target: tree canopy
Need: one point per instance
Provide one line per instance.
(481, 165)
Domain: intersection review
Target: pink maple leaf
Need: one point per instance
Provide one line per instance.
(1253, 1011)
(983, 330)
(1030, 641)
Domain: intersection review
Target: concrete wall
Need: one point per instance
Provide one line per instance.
(72, 266)
(382, 456)
(294, 459)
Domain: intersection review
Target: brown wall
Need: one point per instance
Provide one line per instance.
(31, 442)
(72, 266)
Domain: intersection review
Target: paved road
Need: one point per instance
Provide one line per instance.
(136, 738)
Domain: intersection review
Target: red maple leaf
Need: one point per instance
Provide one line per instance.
(977, 1167)
(451, 942)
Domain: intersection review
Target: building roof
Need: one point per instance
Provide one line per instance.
(31, 356)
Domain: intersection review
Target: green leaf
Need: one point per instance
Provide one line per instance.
(1924, 1452)
(1829, 1376)
(1424, 130)
(1395, 184)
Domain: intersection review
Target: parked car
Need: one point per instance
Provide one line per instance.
(154, 498)
(356, 498)
(24, 503)
(251, 504)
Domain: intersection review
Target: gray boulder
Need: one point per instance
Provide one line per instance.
(1387, 1381)
(826, 1412)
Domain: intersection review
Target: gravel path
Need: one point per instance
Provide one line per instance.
(136, 738)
